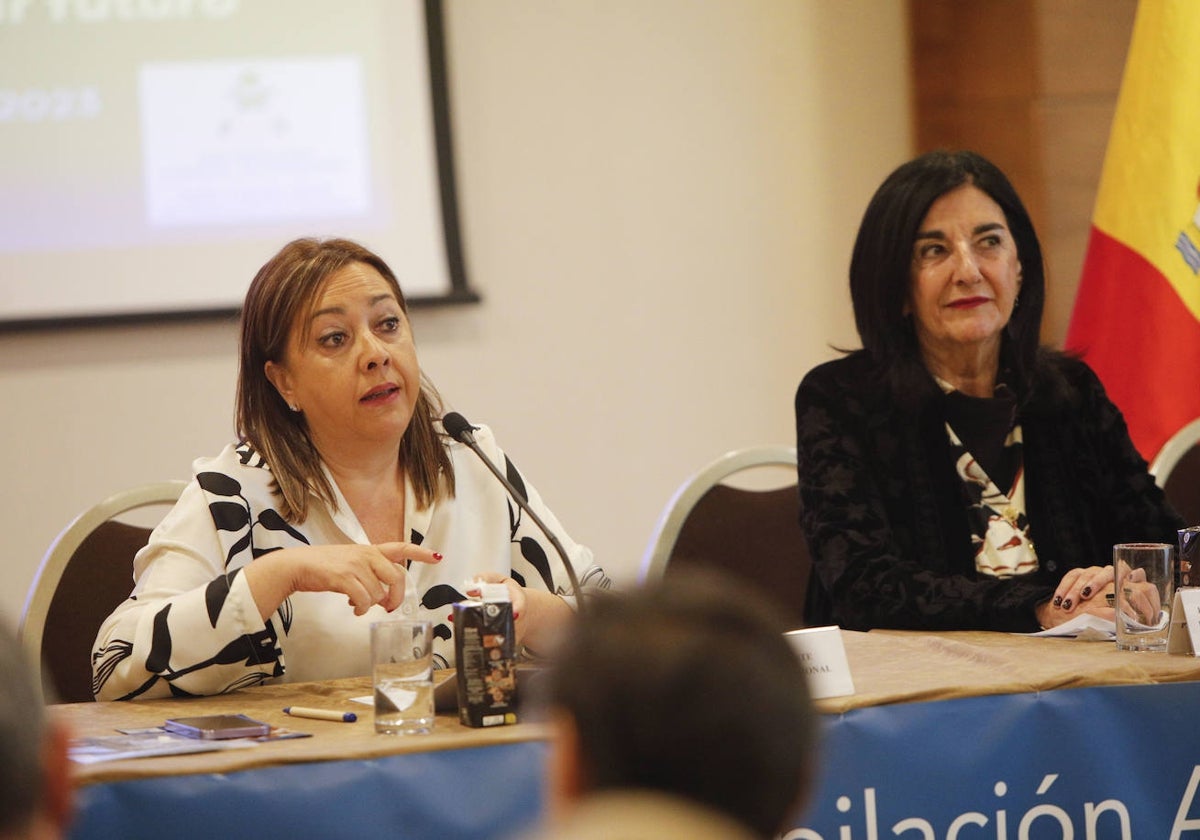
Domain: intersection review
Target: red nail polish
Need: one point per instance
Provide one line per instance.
(437, 556)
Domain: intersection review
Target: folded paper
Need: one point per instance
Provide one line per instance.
(1185, 622)
(823, 656)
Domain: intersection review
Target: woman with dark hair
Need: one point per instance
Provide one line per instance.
(334, 509)
(953, 473)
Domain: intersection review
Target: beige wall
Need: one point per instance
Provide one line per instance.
(658, 200)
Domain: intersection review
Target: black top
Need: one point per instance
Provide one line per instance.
(983, 424)
(882, 505)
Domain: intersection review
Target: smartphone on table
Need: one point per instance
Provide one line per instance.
(217, 727)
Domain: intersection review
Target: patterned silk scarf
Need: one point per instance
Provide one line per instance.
(999, 527)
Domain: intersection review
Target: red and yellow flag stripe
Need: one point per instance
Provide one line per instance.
(1137, 312)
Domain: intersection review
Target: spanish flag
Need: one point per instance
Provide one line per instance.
(1136, 319)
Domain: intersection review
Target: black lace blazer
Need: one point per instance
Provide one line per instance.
(886, 518)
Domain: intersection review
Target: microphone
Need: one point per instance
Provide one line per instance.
(458, 428)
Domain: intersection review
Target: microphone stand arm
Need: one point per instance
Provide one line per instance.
(523, 503)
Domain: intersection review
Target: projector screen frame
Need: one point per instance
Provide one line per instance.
(459, 291)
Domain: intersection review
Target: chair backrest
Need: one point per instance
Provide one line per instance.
(85, 574)
(752, 532)
(1176, 469)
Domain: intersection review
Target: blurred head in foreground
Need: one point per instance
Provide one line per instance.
(685, 694)
(35, 784)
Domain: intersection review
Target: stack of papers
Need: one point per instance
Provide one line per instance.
(143, 743)
(140, 743)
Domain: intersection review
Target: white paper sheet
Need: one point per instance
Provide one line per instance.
(1085, 628)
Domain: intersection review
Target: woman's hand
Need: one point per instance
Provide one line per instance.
(1141, 601)
(1079, 589)
(1078, 592)
(366, 574)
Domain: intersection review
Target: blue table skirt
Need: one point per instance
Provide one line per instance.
(486, 792)
(1109, 763)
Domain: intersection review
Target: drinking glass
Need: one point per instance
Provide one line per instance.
(402, 674)
(1144, 584)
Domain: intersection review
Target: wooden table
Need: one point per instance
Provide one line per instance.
(330, 741)
(344, 781)
(972, 726)
(891, 666)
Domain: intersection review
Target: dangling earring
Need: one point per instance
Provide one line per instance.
(294, 407)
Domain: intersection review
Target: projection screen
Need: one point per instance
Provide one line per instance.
(154, 153)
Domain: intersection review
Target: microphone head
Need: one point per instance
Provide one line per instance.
(458, 428)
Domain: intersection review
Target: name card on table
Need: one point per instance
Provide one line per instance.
(823, 656)
(1184, 636)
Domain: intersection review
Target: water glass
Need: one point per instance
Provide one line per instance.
(1144, 585)
(402, 675)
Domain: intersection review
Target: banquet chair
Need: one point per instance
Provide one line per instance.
(1176, 469)
(735, 515)
(85, 574)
